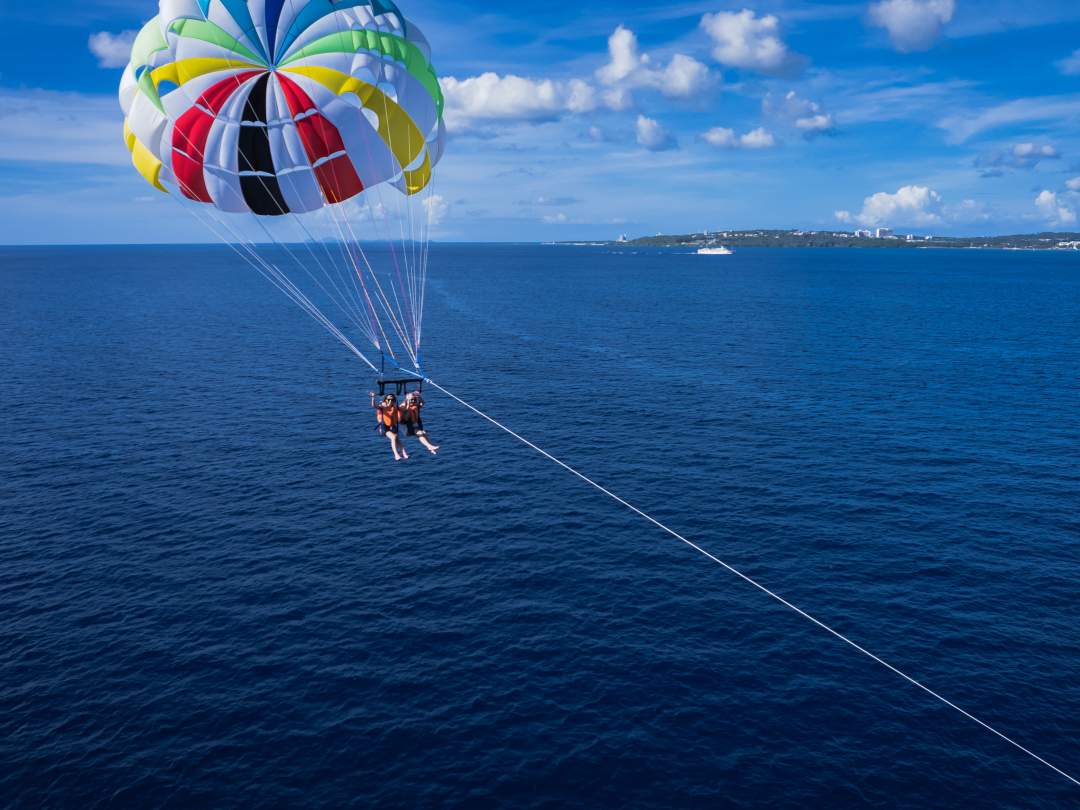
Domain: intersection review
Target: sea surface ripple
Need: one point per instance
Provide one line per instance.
(217, 589)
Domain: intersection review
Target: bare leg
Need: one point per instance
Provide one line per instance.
(394, 446)
(432, 448)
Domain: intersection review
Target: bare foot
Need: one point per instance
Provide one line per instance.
(434, 451)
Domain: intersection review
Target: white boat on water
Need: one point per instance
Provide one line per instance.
(715, 251)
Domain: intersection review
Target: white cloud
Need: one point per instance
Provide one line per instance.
(652, 135)
(744, 40)
(806, 116)
(556, 219)
(112, 50)
(910, 205)
(628, 68)
(1059, 109)
(759, 138)
(1056, 212)
(724, 138)
(1074, 184)
(618, 99)
(625, 59)
(1019, 156)
(1029, 154)
(437, 209)
(721, 137)
(913, 25)
(1070, 65)
(816, 124)
(491, 97)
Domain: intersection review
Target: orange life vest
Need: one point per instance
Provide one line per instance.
(389, 417)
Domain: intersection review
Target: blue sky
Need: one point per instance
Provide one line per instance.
(592, 120)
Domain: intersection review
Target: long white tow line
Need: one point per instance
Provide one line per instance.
(751, 581)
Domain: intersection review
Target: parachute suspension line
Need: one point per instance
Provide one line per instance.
(406, 202)
(268, 271)
(750, 581)
(338, 301)
(347, 254)
(280, 280)
(343, 26)
(341, 222)
(374, 325)
(425, 258)
(400, 319)
(247, 252)
(343, 307)
(197, 150)
(362, 312)
(395, 322)
(414, 274)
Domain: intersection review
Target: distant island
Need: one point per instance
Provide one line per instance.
(881, 238)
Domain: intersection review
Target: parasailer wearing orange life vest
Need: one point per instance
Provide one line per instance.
(414, 421)
(388, 419)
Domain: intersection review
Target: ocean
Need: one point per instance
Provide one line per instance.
(218, 590)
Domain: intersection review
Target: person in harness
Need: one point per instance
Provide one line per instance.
(413, 420)
(388, 419)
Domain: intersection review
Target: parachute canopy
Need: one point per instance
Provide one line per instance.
(274, 107)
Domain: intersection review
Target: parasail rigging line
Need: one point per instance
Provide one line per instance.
(406, 279)
(338, 302)
(355, 318)
(246, 250)
(749, 580)
(352, 311)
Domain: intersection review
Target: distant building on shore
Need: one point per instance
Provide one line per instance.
(885, 233)
(863, 235)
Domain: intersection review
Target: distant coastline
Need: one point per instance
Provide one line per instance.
(845, 239)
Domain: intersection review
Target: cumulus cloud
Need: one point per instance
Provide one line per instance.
(910, 205)
(724, 138)
(913, 25)
(1073, 184)
(1029, 155)
(757, 139)
(491, 97)
(1070, 65)
(806, 116)
(744, 40)
(652, 135)
(112, 50)
(1019, 156)
(628, 68)
(1054, 210)
(437, 209)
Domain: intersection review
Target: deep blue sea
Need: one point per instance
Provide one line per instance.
(218, 590)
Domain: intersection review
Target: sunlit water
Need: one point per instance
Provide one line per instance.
(218, 590)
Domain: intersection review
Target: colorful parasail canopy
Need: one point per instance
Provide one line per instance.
(281, 106)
